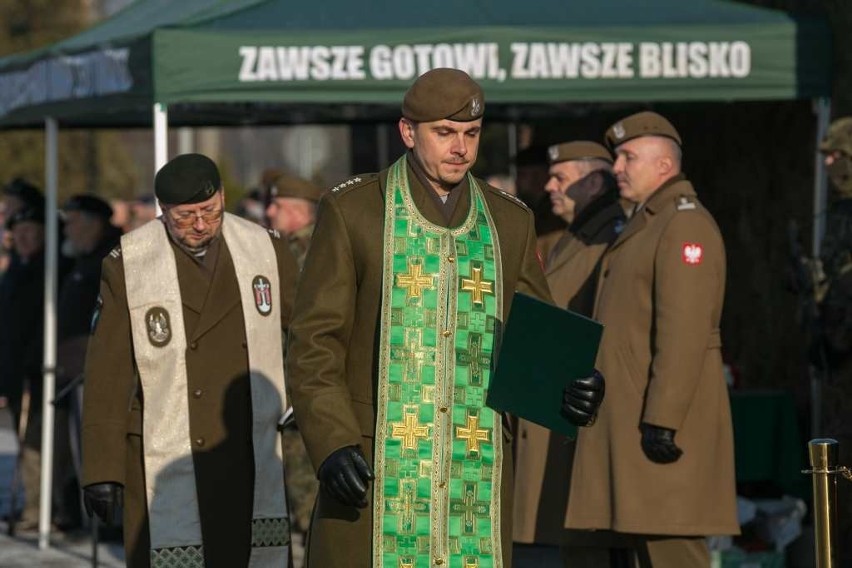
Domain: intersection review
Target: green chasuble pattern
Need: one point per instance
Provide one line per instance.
(438, 447)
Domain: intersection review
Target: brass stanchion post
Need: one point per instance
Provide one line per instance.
(823, 454)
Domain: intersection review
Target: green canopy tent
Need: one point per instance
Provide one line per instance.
(220, 62)
(335, 59)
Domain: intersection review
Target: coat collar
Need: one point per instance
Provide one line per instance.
(593, 231)
(663, 197)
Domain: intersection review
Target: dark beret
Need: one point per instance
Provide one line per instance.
(90, 204)
(25, 191)
(290, 186)
(578, 150)
(640, 124)
(34, 214)
(443, 94)
(188, 178)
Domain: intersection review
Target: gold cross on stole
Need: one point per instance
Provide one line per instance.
(477, 285)
(408, 431)
(414, 281)
(472, 434)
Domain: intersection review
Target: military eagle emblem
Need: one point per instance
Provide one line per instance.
(692, 253)
(159, 327)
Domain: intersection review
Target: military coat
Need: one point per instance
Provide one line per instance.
(332, 362)
(543, 457)
(218, 399)
(660, 297)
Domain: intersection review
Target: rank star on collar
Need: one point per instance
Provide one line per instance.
(692, 253)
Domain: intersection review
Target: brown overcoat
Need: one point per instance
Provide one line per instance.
(542, 457)
(332, 366)
(218, 397)
(660, 297)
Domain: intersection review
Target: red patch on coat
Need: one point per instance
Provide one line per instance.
(692, 253)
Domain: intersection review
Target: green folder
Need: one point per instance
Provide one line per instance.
(543, 348)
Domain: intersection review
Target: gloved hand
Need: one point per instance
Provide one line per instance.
(658, 444)
(346, 475)
(582, 398)
(104, 500)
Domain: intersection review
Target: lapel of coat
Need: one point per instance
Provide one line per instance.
(222, 295)
(562, 253)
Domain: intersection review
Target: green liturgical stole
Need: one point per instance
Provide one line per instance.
(438, 447)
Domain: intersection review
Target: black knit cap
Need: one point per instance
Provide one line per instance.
(90, 204)
(188, 178)
(25, 191)
(34, 214)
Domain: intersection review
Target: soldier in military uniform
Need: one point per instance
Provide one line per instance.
(658, 467)
(835, 314)
(184, 382)
(292, 210)
(410, 273)
(583, 192)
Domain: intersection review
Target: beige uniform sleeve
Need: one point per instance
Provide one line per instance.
(689, 271)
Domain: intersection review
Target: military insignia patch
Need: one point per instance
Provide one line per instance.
(684, 204)
(345, 184)
(262, 294)
(553, 152)
(159, 326)
(692, 253)
(618, 130)
(96, 314)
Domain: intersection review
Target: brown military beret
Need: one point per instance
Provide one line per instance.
(188, 178)
(640, 124)
(578, 150)
(443, 94)
(289, 186)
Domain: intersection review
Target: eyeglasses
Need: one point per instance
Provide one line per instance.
(187, 219)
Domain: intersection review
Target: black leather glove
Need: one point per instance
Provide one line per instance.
(582, 398)
(658, 444)
(347, 475)
(104, 500)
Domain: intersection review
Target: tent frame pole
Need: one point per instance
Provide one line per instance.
(50, 292)
(822, 109)
(161, 140)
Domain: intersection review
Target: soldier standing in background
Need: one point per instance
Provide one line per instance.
(658, 467)
(835, 315)
(584, 194)
(292, 211)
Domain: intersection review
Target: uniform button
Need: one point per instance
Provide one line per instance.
(199, 442)
(193, 345)
(446, 333)
(197, 393)
(451, 259)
